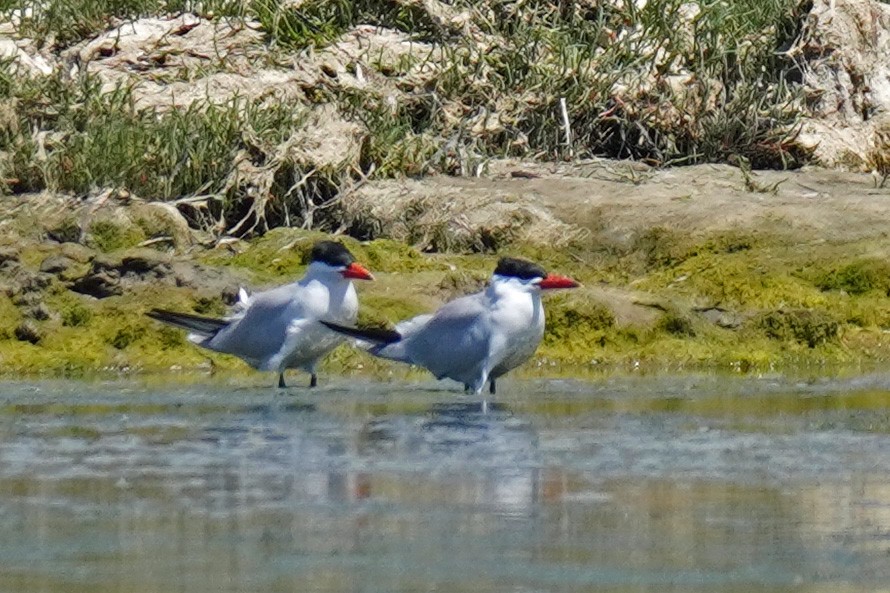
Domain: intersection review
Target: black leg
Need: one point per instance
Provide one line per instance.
(281, 383)
(313, 380)
(491, 388)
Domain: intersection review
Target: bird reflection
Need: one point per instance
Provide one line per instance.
(485, 458)
(466, 414)
(442, 428)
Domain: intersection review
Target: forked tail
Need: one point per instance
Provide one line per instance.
(205, 326)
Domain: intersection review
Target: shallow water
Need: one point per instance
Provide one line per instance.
(697, 483)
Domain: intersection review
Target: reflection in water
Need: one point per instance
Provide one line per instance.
(391, 492)
(497, 450)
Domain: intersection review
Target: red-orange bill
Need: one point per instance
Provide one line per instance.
(554, 281)
(357, 272)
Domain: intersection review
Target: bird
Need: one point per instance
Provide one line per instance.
(474, 339)
(278, 329)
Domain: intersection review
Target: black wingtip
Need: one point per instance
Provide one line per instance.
(207, 326)
(370, 334)
(161, 315)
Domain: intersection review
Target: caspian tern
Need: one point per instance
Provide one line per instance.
(279, 329)
(476, 338)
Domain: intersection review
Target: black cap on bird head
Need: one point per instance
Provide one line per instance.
(519, 268)
(331, 253)
(335, 255)
(531, 273)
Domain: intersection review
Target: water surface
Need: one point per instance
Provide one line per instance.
(697, 483)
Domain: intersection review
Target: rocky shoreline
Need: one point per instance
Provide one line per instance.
(682, 269)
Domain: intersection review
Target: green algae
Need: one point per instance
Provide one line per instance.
(209, 306)
(676, 324)
(385, 255)
(86, 335)
(384, 310)
(283, 253)
(575, 323)
(867, 311)
(65, 230)
(810, 307)
(108, 236)
(804, 326)
(857, 277)
(9, 317)
(794, 316)
(734, 279)
(75, 315)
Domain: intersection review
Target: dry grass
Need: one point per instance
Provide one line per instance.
(661, 81)
(879, 154)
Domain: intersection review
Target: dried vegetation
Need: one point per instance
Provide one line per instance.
(252, 114)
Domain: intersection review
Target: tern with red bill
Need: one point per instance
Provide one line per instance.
(476, 338)
(280, 328)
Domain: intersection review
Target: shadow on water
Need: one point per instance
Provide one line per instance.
(670, 484)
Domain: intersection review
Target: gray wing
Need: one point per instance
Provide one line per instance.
(398, 350)
(409, 327)
(259, 333)
(454, 341)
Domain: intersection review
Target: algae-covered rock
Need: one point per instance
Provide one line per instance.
(805, 326)
(280, 252)
(460, 281)
(114, 274)
(162, 223)
(676, 324)
(144, 263)
(107, 221)
(112, 234)
(112, 221)
(575, 320)
(56, 264)
(24, 286)
(64, 229)
(76, 314)
(28, 331)
(720, 317)
(77, 252)
(99, 283)
(67, 268)
(38, 312)
(858, 277)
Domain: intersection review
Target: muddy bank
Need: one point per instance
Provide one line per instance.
(703, 266)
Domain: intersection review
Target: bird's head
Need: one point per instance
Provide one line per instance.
(333, 257)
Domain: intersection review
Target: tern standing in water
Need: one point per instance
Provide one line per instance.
(281, 328)
(476, 338)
